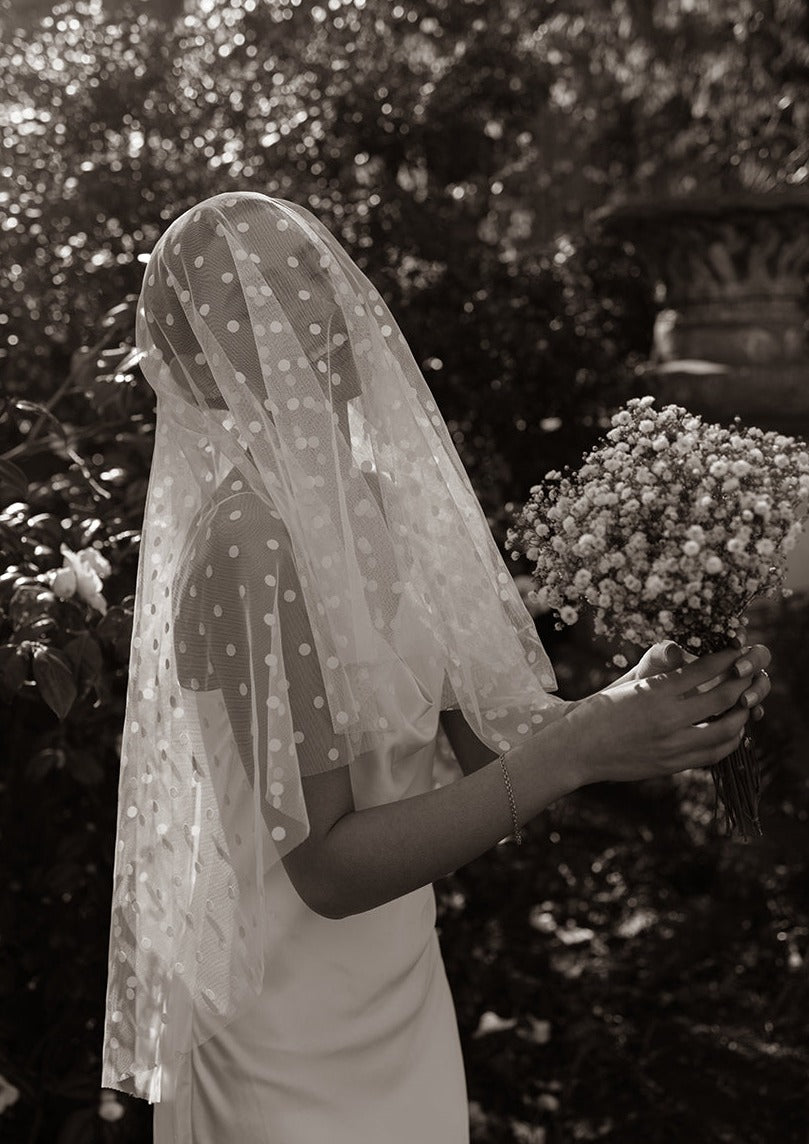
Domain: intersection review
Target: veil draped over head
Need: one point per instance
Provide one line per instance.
(306, 512)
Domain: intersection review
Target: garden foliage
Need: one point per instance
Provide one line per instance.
(455, 149)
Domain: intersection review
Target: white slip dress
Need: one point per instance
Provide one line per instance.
(354, 1037)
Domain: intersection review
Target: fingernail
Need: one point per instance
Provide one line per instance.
(750, 699)
(744, 667)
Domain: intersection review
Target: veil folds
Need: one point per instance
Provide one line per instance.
(309, 532)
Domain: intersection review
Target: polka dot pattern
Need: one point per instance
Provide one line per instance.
(311, 546)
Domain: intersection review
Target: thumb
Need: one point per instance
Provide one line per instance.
(669, 655)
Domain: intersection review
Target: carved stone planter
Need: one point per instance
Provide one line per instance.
(731, 336)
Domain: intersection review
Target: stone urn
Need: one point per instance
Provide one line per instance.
(731, 334)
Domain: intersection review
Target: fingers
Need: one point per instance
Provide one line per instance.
(740, 639)
(659, 659)
(703, 670)
(672, 655)
(703, 705)
(758, 691)
(709, 743)
(704, 673)
(753, 659)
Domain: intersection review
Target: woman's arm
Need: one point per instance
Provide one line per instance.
(470, 752)
(369, 857)
(353, 860)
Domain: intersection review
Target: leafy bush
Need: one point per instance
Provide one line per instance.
(63, 672)
(412, 133)
(455, 148)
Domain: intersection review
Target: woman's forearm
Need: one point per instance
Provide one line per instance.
(375, 855)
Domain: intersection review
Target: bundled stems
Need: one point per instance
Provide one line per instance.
(737, 782)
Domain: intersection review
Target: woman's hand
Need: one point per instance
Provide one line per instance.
(667, 655)
(690, 716)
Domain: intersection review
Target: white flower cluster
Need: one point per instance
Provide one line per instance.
(9, 1094)
(670, 528)
(81, 575)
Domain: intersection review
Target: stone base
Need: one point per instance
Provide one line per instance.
(797, 577)
(772, 397)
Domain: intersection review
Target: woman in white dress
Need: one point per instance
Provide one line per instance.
(318, 590)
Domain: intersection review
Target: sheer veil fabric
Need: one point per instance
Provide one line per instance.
(306, 511)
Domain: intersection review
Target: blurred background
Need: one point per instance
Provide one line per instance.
(565, 203)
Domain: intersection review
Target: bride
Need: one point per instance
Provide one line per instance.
(318, 591)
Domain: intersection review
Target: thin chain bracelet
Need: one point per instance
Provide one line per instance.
(507, 779)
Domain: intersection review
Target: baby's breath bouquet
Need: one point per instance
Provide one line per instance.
(669, 530)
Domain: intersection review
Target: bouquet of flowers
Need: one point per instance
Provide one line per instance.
(669, 530)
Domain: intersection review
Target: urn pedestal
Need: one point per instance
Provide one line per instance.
(730, 337)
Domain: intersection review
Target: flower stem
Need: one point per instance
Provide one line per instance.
(737, 782)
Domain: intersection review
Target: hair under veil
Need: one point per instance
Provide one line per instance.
(292, 563)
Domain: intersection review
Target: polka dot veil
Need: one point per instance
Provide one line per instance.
(310, 534)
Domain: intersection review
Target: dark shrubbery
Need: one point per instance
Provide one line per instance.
(454, 149)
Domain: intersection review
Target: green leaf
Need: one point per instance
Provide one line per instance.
(109, 627)
(116, 629)
(39, 630)
(13, 476)
(84, 656)
(85, 768)
(79, 1127)
(40, 764)
(14, 660)
(54, 678)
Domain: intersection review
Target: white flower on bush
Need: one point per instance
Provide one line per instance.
(9, 1094)
(109, 1106)
(81, 575)
(62, 582)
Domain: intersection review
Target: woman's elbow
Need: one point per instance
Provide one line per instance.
(316, 892)
(326, 906)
